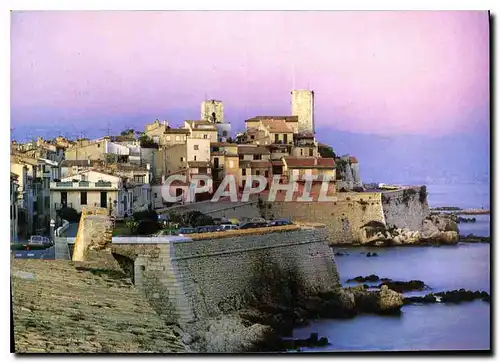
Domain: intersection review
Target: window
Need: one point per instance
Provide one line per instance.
(301, 152)
(168, 137)
(205, 136)
(197, 147)
(244, 171)
(285, 138)
(252, 137)
(240, 156)
(182, 158)
(310, 152)
(156, 195)
(195, 158)
(83, 198)
(224, 133)
(257, 157)
(139, 179)
(276, 138)
(266, 173)
(177, 138)
(257, 172)
(98, 145)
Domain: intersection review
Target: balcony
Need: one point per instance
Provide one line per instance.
(58, 206)
(106, 185)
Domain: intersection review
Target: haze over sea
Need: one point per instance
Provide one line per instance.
(422, 327)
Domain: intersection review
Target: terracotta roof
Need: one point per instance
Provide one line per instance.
(353, 159)
(285, 118)
(309, 162)
(277, 126)
(222, 144)
(121, 138)
(199, 164)
(176, 131)
(80, 163)
(305, 135)
(260, 163)
(277, 162)
(252, 150)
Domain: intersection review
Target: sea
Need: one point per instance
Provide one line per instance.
(431, 327)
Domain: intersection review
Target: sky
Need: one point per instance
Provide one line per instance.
(385, 74)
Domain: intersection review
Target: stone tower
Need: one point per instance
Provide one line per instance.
(303, 107)
(212, 111)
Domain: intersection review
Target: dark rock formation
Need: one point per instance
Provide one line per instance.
(312, 341)
(465, 220)
(341, 254)
(370, 278)
(454, 296)
(474, 239)
(402, 286)
(372, 254)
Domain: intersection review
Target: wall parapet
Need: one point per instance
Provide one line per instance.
(191, 280)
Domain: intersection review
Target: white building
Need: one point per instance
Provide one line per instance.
(92, 188)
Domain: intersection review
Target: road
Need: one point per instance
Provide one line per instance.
(48, 254)
(71, 231)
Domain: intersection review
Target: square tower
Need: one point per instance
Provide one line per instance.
(212, 111)
(303, 108)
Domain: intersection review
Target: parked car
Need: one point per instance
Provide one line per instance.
(206, 229)
(280, 222)
(253, 225)
(184, 231)
(228, 227)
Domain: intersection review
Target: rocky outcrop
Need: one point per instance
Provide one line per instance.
(403, 286)
(474, 239)
(454, 296)
(383, 301)
(437, 229)
(440, 229)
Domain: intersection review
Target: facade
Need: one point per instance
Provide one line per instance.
(212, 111)
(201, 130)
(173, 136)
(225, 161)
(14, 222)
(123, 196)
(156, 129)
(303, 108)
(297, 168)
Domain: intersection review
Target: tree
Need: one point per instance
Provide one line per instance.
(128, 132)
(131, 224)
(326, 151)
(147, 142)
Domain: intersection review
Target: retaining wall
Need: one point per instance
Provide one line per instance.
(190, 280)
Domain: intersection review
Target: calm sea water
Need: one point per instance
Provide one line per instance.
(421, 327)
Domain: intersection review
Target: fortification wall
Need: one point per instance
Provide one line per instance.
(343, 218)
(223, 209)
(189, 281)
(406, 208)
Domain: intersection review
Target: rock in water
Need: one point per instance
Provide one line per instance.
(402, 286)
(390, 301)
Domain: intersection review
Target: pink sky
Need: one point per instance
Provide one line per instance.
(380, 72)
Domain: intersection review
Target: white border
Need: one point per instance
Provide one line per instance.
(192, 5)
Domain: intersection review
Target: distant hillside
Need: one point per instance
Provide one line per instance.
(459, 158)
